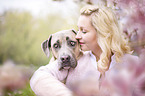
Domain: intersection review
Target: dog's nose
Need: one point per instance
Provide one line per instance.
(65, 58)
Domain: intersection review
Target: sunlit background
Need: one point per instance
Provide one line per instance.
(25, 24)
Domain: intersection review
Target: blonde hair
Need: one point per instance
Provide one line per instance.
(110, 38)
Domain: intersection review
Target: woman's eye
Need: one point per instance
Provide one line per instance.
(84, 32)
(73, 43)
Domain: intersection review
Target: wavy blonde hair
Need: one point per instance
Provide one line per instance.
(110, 38)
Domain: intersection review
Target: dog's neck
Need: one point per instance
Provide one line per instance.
(79, 55)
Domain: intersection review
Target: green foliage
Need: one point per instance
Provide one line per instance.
(21, 36)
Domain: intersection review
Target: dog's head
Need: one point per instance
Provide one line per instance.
(65, 48)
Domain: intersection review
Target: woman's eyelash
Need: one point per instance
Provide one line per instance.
(84, 32)
(81, 31)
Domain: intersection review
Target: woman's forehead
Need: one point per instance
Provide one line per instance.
(83, 20)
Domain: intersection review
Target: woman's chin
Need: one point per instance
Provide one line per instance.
(84, 49)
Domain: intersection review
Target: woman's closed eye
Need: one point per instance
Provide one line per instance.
(84, 32)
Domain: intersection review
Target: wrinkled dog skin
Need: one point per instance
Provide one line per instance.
(64, 47)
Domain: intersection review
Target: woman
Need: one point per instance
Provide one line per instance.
(100, 32)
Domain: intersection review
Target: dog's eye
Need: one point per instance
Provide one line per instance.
(73, 43)
(55, 45)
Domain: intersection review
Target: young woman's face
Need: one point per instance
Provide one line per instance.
(87, 34)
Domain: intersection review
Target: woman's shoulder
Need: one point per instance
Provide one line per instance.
(125, 60)
(129, 61)
(130, 57)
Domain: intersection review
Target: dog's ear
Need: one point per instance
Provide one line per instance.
(74, 31)
(46, 45)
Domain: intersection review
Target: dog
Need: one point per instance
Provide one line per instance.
(64, 47)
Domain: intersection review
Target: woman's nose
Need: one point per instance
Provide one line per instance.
(78, 36)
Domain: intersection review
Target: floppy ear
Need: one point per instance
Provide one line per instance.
(46, 45)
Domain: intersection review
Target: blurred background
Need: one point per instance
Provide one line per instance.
(25, 24)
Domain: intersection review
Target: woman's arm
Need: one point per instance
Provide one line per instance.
(46, 81)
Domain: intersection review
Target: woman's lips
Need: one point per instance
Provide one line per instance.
(81, 43)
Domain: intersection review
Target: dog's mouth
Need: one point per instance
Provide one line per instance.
(67, 62)
(66, 66)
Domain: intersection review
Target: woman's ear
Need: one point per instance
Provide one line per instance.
(46, 45)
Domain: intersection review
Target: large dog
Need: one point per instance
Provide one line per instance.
(65, 48)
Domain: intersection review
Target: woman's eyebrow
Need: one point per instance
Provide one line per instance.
(82, 28)
(85, 29)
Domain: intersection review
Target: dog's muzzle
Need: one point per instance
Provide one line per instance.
(67, 62)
